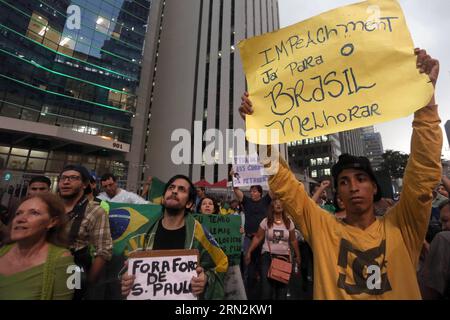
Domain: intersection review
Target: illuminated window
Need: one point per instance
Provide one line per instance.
(19, 152)
(37, 27)
(102, 24)
(116, 32)
(36, 164)
(66, 45)
(52, 39)
(114, 98)
(4, 149)
(313, 162)
(38, 154)
(326, 160)
(327, 172)
(319, 161)
(314, 173)
(16, 162)
(324, 138)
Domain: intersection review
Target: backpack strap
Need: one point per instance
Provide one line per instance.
(79, 212)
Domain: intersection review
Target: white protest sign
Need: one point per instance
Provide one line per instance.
(163, 274)
(248, 172)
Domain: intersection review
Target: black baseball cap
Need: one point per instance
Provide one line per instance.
(347, 161)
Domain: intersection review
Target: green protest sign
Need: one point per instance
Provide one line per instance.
(226, 231)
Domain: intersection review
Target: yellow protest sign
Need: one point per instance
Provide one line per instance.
(347, 68)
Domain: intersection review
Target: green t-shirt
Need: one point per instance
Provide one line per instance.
(29, 284)
(329, 207)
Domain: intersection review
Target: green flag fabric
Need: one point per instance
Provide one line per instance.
(156, 190)
(127, 220)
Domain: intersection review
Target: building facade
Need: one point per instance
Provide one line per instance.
(69, 80)
(352, 142)
(373, 149)
(196, 84)
(316, 155)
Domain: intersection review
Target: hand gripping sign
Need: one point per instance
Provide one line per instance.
(343, 69)
(163, 274)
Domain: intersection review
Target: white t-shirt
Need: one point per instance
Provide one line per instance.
(278, 236)
(123, 196)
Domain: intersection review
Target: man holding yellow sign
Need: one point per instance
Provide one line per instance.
(337, 71)
(365, 257)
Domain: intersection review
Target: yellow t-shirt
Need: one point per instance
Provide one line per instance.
(378, 262)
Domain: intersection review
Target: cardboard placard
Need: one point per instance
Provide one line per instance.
(249, 172)
(346, 68)
(163, 274)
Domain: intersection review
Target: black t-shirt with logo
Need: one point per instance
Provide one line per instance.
(255, 212)
(169, 239)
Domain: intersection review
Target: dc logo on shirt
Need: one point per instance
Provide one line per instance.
(368, 268)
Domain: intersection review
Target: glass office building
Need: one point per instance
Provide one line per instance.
(69, 73)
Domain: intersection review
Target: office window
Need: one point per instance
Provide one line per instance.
(52, 39)
(3, 158)
(37, 27)
(67, 45)
(19, 152)
(36, 164)
(4, 149)
(102, 24)
(38, 154)
(16, 162)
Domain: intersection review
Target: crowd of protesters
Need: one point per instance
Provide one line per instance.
(343, 239)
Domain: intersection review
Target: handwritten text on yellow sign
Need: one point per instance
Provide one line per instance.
(344, 69)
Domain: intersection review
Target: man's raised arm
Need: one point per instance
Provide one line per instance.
(284, 185)
(423, 171)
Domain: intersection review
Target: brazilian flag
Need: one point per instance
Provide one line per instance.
(127, 220)
(156, 191)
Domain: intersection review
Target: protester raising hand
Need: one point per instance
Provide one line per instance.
(427, 64)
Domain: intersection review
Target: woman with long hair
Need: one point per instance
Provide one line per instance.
(34, 266)
(233, 284)
(208, 205)
(278, 232)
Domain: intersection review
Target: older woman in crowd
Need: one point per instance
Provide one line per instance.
(34, 266)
